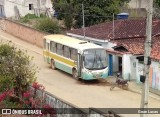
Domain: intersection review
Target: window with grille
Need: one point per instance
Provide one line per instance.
(30, 6)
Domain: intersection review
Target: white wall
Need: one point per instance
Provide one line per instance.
(115, 63)
(126, 69)
(138, 4)
(133, 64)
(23, 6)
(108, 45)
(155, 75)
(2, 2)
(156, 66)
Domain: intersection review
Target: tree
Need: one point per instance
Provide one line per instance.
(17, 71)
(156, 12)
(66, 10)
(157, 3)
(95, 11)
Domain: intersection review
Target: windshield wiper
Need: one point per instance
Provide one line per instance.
(94, 59)
(101, 60)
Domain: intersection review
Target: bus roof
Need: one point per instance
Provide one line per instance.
(71, 42)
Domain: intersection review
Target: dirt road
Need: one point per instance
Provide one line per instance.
(78, 93)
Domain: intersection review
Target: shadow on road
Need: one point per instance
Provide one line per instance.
(97, 82)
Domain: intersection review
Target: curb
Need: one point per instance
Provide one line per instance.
(139, 92)
(134, 91)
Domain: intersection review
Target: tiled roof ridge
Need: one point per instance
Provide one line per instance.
(125, 38)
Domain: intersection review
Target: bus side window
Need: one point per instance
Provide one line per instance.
(73, 54)
(66, 52)
(44, 43)
(59, 49)
(53, 47)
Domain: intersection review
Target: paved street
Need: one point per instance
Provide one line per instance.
(78, 93)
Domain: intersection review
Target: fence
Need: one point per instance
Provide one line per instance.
(69, 110)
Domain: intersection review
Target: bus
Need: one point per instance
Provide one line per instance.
(80, 58)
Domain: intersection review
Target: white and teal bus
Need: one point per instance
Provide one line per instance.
(82, 59)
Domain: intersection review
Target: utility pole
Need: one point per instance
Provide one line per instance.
(148, 42)
(84, 34)
(113, 25)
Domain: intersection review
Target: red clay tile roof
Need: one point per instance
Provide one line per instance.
(133, 45)
(122, 29)
(136, 46)
(116, 52)
(130, 33)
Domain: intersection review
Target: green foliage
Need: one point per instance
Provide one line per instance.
(30, 16)
(48, 25)
(5, 82)
(156, 5)
(24, 20)
(10, 104)
(16, 69)
(68, 21)
(42, 15)
(95, 11)
(5, 50)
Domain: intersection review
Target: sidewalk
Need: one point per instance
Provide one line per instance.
(133, 86)
(137, 88)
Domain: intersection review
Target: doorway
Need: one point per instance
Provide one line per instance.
(1, 11)
(120, 65)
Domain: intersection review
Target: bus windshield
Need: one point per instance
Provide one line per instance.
(95, 59)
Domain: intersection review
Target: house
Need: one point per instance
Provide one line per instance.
(18, 8)
(125, 46)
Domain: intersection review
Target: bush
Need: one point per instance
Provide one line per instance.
(16, 69)
(43, 15)
(30, 16)
(24, 20)
(48, 25)
(17, 73)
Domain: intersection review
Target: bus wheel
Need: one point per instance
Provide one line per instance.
(75, 74)
(53, 64)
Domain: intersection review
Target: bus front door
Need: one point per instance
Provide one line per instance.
(79, 65)
(47, 52)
